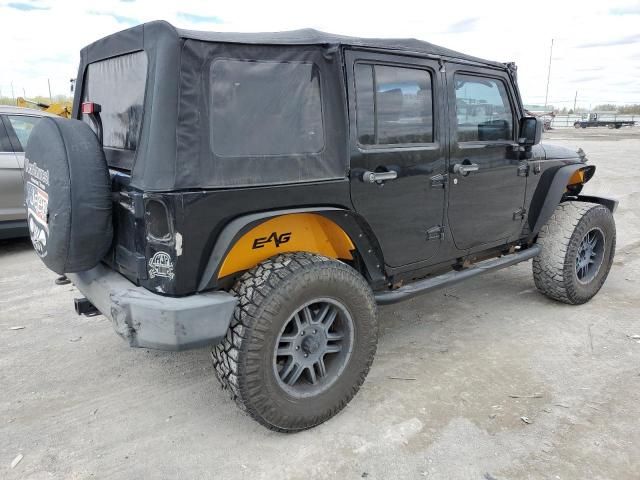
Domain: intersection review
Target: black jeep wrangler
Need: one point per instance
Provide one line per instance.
(261, 193)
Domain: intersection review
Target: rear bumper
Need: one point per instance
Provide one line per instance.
(148, 320)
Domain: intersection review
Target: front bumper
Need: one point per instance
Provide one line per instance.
(148, 320)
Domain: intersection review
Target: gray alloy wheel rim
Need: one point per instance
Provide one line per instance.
(590, 255)
(313, 347)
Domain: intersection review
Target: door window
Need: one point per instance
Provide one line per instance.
(483, 110)
(394, 105)
(22, 125)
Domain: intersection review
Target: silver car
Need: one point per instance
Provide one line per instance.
(15, 127)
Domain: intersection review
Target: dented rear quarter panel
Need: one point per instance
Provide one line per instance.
(199, 217)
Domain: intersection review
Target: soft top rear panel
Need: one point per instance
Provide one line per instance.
(154, 164)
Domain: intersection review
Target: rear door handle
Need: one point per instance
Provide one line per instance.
(465, 169)
(379, 177)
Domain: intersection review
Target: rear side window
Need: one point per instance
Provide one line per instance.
(265, 108)
(394, 105)
(483, 110)
(22, 125)
(118, 85)
(5, 144)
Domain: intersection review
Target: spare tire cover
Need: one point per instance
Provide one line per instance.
(68, 195)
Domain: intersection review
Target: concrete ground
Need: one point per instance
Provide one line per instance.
(456, 373)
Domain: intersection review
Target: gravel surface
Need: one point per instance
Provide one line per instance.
(485, 380)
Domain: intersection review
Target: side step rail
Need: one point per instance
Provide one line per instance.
(416, 288)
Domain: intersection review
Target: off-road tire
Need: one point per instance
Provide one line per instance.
(268, 295)
(554, 270)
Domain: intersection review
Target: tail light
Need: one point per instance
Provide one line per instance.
(158, 224)
(89, 108)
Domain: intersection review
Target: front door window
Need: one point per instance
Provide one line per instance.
(482, 110)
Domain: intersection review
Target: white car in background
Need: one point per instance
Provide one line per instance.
(15, 127)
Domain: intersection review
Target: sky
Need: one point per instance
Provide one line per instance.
(596, 44)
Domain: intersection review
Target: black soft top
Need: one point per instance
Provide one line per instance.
(174, 148)
(309, 36)
(306, 36)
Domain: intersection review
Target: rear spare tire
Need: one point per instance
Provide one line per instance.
(68, 195)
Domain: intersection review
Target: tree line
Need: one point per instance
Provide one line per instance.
(38, 99)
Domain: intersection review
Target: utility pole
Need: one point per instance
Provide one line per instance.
(50, 97)
(546, 95)
(12, 94)
(575, 99)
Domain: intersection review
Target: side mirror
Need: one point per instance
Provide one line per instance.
(530, 131)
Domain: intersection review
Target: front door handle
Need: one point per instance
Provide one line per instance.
(465, 169)
(379, 177)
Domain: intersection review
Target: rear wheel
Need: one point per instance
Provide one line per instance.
(578, 244)
(302, 340)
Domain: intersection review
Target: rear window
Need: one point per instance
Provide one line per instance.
(118, 85)
(22, 126)
(265, 108)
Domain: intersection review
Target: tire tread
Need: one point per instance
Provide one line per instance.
(234, 360)
(552, 268)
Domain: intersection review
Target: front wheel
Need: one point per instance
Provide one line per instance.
(578, 244)
(301, 342)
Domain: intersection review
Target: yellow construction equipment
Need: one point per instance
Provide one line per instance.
(62, 109)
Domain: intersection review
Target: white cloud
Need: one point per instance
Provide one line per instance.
(44, 43)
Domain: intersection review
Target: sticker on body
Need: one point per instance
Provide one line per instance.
(161, 265)
(37, 207)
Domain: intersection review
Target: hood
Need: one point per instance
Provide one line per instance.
(553, 152)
